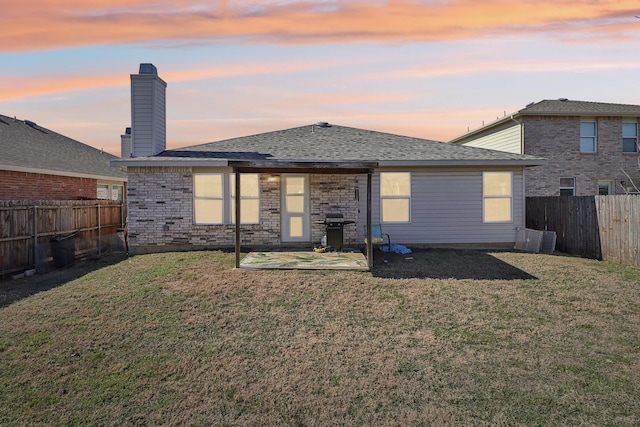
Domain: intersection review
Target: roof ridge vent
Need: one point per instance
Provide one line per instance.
(323, 124)
(563, 99)
(34, 125)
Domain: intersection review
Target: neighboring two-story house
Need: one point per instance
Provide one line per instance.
(591, 147)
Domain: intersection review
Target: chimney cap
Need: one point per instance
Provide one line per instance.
(148, 68)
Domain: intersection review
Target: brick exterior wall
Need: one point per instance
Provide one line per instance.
(160, 206)
(35, 186)
(334, 194)
(558, 140)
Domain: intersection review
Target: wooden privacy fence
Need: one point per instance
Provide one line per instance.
(28, 228)
(600, 227)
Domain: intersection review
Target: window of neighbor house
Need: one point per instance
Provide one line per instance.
(630, 137)
(117, 192)
(395, 196)
(588, 137)
(567, 186)
(605, 187)
(102, 192)
(497, 194)
(249, 198)
(208, 198)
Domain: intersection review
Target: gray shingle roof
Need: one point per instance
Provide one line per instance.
(570, 107)
(558, 107)
(337, 143)
(24, 144)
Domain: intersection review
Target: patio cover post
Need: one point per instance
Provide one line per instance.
(237, 202)
(369, 242)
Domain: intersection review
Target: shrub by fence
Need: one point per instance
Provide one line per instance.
(27, 229)
(600, 227)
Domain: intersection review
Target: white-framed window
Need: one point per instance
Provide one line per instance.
(110, 191)
(630, 137)
(214, 198)
(605, 187)
(588, 136)
(117, 192)
(395, 196)
(567, 186)
(249, 198)
(102, 191)
(497, 196)
(208, 198)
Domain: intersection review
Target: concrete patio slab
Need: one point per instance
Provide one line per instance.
(305, 261)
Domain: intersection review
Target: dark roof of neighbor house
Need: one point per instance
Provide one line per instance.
(332, 143)
(28, 147)
(561, 107)
(565, 106)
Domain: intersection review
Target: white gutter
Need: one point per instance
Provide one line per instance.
(417, 163)
(521, 133)
(61, 173)
(168, 162)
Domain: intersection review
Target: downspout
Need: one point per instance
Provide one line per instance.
(524, 175)
(521, 133)
(237, 202)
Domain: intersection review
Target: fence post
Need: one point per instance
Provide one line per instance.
(99, 232)
(35, 236)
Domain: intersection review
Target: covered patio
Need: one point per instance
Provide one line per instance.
(311, 167)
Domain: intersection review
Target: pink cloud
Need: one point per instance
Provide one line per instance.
(72, 23)
(19, 87)
(16, 88)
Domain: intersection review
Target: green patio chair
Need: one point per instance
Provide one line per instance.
(377, 235)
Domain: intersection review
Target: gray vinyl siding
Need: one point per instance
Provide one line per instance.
(148, 112)
(446, 208)
(508, 139)
(159, 118)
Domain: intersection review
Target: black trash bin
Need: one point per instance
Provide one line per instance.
(63, 250)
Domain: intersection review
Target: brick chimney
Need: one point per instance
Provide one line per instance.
(148, 114)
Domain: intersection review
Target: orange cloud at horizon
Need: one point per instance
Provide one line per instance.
(19, 87)
(55, 24)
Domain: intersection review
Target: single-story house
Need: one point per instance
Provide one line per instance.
(423, 192)
(37, 163)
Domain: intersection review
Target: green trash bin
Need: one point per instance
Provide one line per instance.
(63, 250)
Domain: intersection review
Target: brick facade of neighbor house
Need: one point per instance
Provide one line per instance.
(160, 205)
(551, 129)
(557, 139)
(36, 186)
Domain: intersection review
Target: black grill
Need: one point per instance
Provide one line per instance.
(335, 223)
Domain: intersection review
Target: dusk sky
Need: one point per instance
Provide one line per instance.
(429, 68)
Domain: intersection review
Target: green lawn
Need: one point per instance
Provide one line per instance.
(434, 338)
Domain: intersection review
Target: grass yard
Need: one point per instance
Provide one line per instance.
(442, 338)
